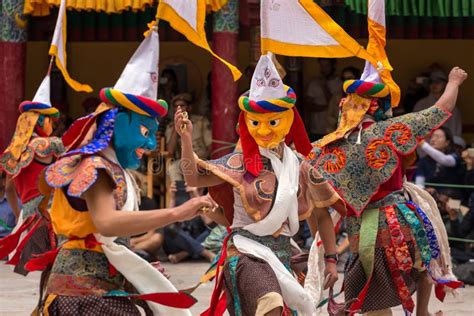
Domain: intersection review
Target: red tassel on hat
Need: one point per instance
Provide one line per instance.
(298, 135)
(252, 158)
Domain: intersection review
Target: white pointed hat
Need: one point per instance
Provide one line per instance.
(41, 102)
(137, 87)
(266, 81)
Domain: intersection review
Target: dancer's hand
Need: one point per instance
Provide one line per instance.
(330, 275)
(183, 124)
(195, 206)
(457, 75)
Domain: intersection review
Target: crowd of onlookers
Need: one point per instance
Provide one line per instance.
(444, 166)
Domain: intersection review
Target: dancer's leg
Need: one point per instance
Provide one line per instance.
(423, 293)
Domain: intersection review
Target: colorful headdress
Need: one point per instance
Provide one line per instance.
(268, 94)
(137, 87)
(136, 90)
(30, 113)
(376, 92)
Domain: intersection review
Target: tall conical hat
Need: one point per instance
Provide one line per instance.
(41, 102)
(137, 87)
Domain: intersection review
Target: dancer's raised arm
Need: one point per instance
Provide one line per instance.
(447, 101)
(192, 175)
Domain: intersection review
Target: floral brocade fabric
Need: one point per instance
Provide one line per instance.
(78, 174)
(42, 147)
(357, 171)
(80, 272)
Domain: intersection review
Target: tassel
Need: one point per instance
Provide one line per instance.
(9, 243)
(42, 261)
(176, 300)
(216, 302)
(16, 258)
(219, 309)
(439, 288)
(112, 270)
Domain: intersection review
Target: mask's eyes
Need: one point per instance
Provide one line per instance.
(254, 123)
(274, 83)
(260, 82)
(144, 130)
(274, 123)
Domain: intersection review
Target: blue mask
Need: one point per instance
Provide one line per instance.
(133, 133)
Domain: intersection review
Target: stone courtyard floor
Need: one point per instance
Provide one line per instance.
(18, 295)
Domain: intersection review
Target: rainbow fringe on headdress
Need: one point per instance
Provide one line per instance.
(366, 88)
(38, 107)
(268, 106)
(135, 103)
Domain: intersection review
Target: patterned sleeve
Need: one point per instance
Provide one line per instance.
(404, 132)
(318, 190)
(422, 123)
(78, 174)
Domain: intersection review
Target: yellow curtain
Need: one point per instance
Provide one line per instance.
(42, 7)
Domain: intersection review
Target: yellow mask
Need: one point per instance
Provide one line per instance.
(269, 129)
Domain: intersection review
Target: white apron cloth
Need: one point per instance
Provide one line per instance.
(285, 207)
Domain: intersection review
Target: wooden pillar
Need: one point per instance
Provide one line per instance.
(225, 110)
(254, 25)
(12, 66)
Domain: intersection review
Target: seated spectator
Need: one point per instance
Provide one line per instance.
(461, 227)
(7, 218)
(179, 243)
(438, 81)
(440, 165)
(202, 137)
(468, 157)
(464, 228)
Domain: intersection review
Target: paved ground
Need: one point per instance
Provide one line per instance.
(18, 295)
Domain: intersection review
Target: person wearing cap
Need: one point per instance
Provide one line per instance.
(438, 81)
(30, 151)
(392, 240)
(95, 200)
(265, 189)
